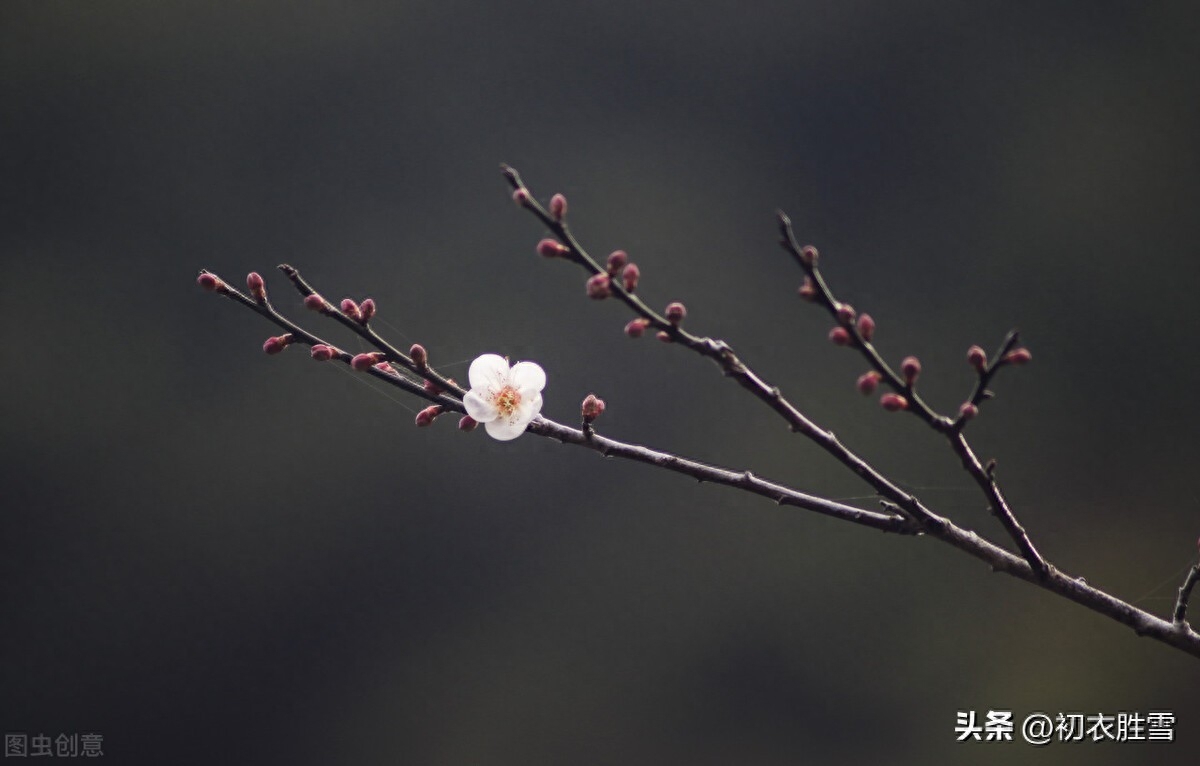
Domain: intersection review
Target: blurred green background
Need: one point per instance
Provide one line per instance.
(212, 556)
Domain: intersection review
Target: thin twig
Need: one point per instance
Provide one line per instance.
(1185, 592)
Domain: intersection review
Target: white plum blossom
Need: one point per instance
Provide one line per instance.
(504, 399)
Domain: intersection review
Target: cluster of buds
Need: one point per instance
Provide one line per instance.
(359, 312)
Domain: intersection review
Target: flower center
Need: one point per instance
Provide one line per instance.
(507, 400)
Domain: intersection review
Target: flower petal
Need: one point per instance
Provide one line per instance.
(527, 376)
(529, 408)
(479, 408)
(488, 373)
(505, 429)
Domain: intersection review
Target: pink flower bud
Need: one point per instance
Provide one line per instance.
(419, 356)
(893, 402)
(977, 358)
(431, 387)
(316, 303)
(676, 312)
(350, 309)
(868, 382)
(839, 336)
(386, 367)
(364, 362)
(910, 368)
(558, 207)
(591, 408)
(866, 327)
(322, 353)
(256, 286)
(210, 282)
(467, 423)
(277, 344)
(636, 327)
(845, 313)
(616, 262)
(630, 276)
(664, 336)
(521, 197)
(808, 255)
(367, 309)
(808, 290)
(599, 287)
(968, 411)
(548, 248)
(426, 416)
(1018, 356)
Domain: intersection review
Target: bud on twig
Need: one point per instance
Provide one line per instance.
(256, 286)
(521, 197)
(367, 309)
(809, 255)
(350, 309)
(599, 287)
(549, 248)
(676, 312)
(1018, 356)
(591, 408)
(664, 336)
(616, 262)
(868, 382)
(968, 411)
(977, 358)
(845, 313)
(316, 303)
(322, 353)
(839, 336)
(630, 276)
(277, 344)
(636, 327)
(431, 387)
(911, 369)
(558, 207)
(419, 356)
(467, 423)
(866, 327)
(808, 290)
(364, 362)
(426, 416)
(211, 282)
(893, 402)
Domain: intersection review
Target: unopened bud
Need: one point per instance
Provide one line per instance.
(431, 387)
(664, 336)
(911, 369)
(616, 261)
(630, 276)
(322, 353)
(839, 336)
(636, 327)
(426, 416)
(591, 408)
(968, 411)
(676, 312)
(808, 290)
(599, 287)
(521, 197)
(467, 423)
(277, 344)
(367, 309)
(868, 382)
(386, 367)
(866, 327)
(316, 302)
(419, 356)
(893, 402)
(1018, 356)
(364, 362)
(808, 255)
(558, 207)
(977, 358)
(210, 282)
(350, 309)
(845, 313)
(548, 248)
(256, 286)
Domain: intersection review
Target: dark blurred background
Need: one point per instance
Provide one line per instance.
(209, 556)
